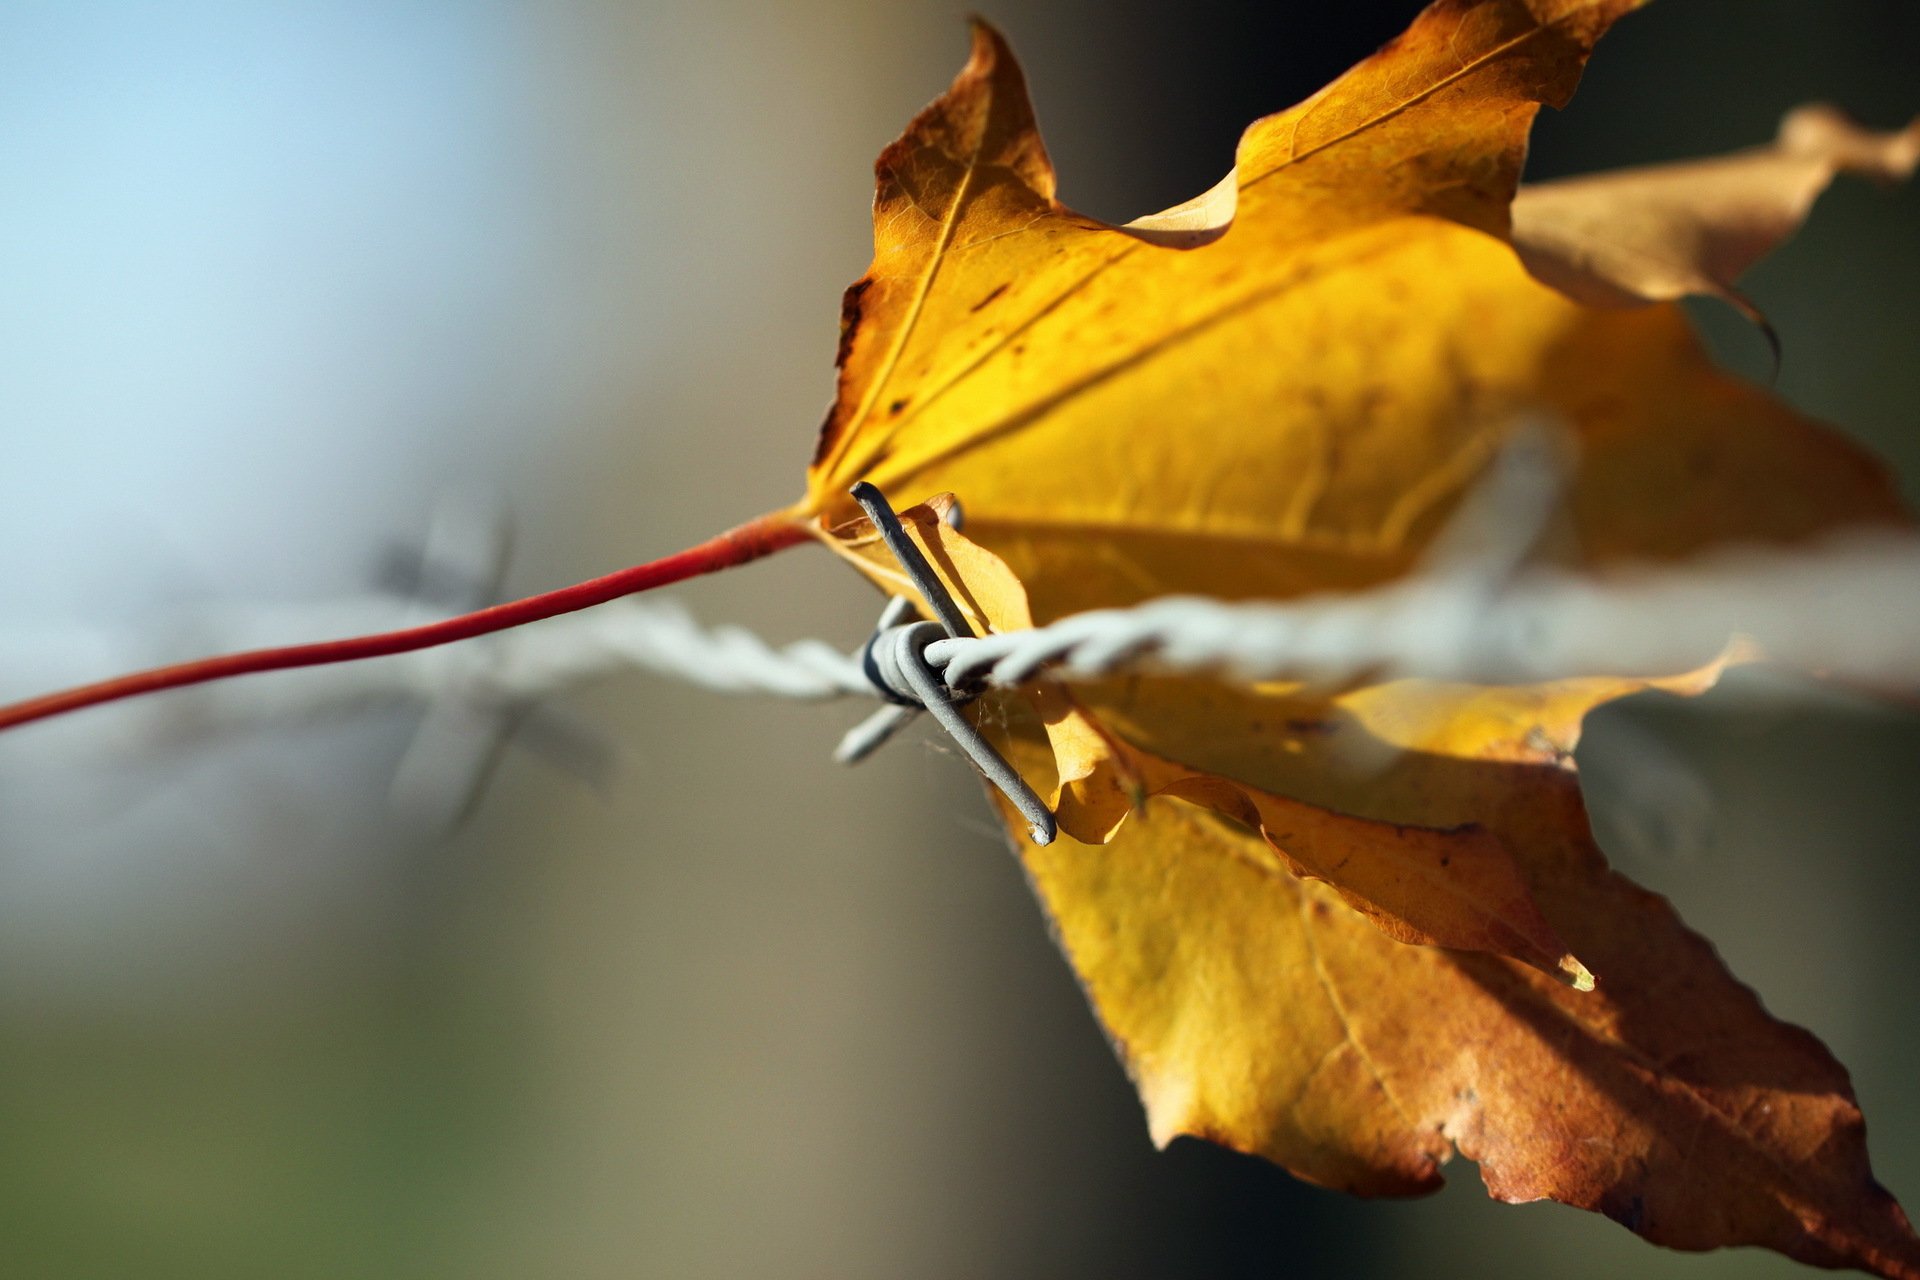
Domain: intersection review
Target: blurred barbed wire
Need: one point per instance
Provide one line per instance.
(1846, 608)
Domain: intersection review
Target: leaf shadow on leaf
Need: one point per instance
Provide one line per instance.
(1768, 1140)
(957, 581)
(1654, 973)
(1723, 1113)
(1668, 1098)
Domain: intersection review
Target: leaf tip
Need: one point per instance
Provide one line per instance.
(1820, 131)
(988, 43)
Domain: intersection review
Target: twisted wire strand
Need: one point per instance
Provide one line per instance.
(661, 636)
(1849, 609)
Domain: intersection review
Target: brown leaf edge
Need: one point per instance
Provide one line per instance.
(1668, 1100)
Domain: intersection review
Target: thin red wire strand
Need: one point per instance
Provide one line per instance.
(737, 546)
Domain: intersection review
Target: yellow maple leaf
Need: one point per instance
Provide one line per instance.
(1295, 403)
(1282, 387)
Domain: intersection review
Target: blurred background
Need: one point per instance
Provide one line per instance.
(282, 282)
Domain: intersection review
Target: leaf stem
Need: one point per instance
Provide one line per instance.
(737, 546)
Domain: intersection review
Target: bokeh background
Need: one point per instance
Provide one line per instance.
(283, 281)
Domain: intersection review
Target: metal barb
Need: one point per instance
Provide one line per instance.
(895, 659)
(872, 733)
(945, 611)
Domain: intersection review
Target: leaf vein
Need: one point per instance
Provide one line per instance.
(1294, 156)
(1327, 987)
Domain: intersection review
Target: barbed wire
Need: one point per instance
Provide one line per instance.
(1847, 608)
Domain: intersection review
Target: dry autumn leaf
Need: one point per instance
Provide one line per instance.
(1667, 231)
(1283, 387)
(1353, 929)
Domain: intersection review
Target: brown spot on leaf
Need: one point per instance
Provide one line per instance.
(851, 313)
(998, 290)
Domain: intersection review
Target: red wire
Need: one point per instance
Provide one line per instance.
(749, 541)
